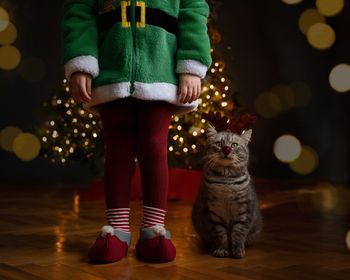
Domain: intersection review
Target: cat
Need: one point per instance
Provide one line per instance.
(226, 212)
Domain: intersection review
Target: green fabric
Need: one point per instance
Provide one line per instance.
(133, 53)
(80, 35)
(193, 39)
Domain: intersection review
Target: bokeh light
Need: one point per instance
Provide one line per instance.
(308, 18)
(10, 57)
(325, 197)
(26, 146)
(287, 148)
(285, 95)
(292, 2)
(302, 94)
(321, 36)
(7, 135)
(339, 78)
(330, 7)
(267, 105)
(307, 161)
(347, 239)
(32, 69)
(4, 19)
(8, 35)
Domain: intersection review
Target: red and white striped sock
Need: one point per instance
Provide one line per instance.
(119, 218)
(153, 216)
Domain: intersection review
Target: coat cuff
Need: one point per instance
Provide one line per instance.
(84, 63)
(191, 66)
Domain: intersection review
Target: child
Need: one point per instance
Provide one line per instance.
(135, 64)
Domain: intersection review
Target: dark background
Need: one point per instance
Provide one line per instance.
(266, 47)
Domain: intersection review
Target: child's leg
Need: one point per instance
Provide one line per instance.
(153, 126)
(118, 121)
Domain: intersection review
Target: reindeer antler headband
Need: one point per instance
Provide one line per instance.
(236, 124)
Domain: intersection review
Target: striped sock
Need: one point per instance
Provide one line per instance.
(153, 216)
(118, 218)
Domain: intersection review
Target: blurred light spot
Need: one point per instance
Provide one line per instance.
(285, 95)
(330, 7)
(26, 146)
(339, 78)
(9, 57)
(347, 239)
(7, 135)
(321, 36)
(8, 35)
(308, 18)
(302, 93)
(306, 163)
(4, 19)
(267, 105)
(76, 203)
(32, 69)
(60, 239)
(292, 2)
(287, 148)
(325, 197)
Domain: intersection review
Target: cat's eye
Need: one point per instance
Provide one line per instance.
(218, 143)
(234, 145)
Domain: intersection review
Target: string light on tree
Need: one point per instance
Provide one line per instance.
(70, 133)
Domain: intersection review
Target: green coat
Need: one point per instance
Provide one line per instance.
(136, 48)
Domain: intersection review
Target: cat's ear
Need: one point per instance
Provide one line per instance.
(246, 135)
(210, 130)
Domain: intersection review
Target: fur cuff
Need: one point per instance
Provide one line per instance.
(191, 66)
(153, 231)
(84, 63)
(122, 235)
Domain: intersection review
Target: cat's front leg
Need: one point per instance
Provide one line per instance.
(238, 236)
(221, 249)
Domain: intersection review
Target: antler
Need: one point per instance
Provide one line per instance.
(220, 123)
(237, 125)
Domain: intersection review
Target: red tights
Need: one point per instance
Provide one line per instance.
(136, 128)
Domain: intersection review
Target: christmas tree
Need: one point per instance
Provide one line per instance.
(70, 133)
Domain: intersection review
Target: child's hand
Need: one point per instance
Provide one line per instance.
(80, 86)
(189, 88)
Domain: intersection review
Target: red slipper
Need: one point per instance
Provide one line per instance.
(155, 245)
(110, 246)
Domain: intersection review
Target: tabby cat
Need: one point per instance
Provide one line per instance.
(226, 213)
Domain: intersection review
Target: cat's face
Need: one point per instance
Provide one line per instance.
(227, 149)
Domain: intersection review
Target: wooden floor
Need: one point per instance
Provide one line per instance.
(45, 233)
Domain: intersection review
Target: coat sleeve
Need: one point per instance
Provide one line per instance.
(80, 37)
(193, 52)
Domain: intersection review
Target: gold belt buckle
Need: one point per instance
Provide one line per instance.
(125, 22)
(141, 23)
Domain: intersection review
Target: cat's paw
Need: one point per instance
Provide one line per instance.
(220, 253)
(238, 252)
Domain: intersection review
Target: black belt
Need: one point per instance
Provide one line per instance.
(153, 16)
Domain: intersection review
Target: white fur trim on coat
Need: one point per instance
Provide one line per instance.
(191, 66)
(146, 91)
(84, 63)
